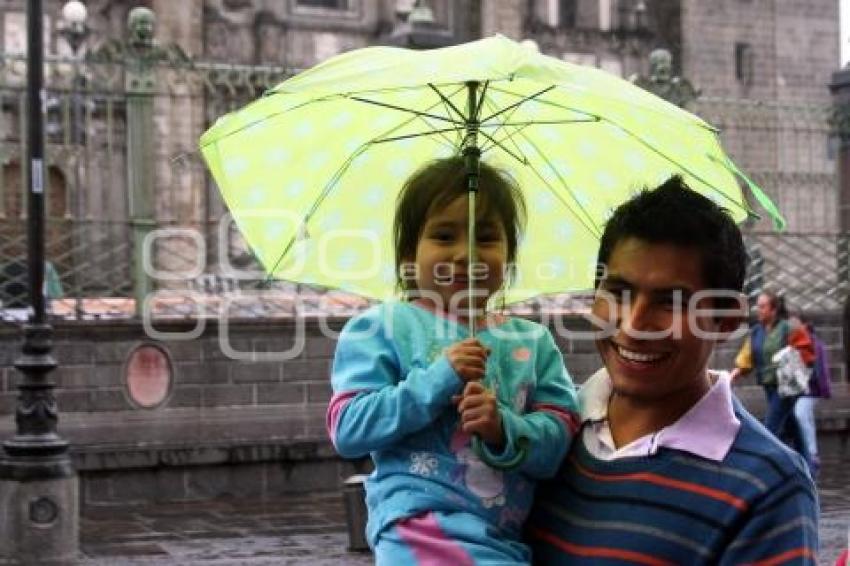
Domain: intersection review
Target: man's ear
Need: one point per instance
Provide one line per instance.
(730, 321)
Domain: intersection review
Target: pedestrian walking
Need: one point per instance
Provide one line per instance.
(804, 408)
(771, 333)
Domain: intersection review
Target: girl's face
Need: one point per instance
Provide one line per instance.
(442, 272)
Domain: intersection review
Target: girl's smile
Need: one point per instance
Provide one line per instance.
(443, 269)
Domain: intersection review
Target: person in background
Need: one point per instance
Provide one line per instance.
(772, 332)
(819, 388)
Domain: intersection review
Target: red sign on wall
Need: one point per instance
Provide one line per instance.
(148, 376)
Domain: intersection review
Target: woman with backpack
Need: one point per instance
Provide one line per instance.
(773, 331)
(804, 408)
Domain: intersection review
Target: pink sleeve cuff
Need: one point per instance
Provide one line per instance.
(335, 407)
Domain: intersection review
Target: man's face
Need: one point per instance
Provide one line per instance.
(655, 350)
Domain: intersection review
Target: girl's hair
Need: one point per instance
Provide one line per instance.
(434, 186)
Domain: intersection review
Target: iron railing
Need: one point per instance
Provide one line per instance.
(789, 149)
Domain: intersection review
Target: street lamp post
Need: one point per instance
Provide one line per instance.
(39, 514)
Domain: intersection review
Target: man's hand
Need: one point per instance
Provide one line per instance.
(468, 358)
(479, 414)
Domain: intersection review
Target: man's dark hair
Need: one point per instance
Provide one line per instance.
(675, 214)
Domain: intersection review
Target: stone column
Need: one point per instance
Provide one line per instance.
(840, 88)
(140, 85)
(503, 16)
(180, 23)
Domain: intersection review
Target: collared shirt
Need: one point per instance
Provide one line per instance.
(707, 429)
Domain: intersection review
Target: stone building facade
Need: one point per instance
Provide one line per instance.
(762, 49)
(776, 53)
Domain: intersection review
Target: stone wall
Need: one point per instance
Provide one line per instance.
(244, 428)
(92, 358)
(91, 361)
(793, 47)
(504, 17)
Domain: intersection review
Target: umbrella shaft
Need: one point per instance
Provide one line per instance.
(470, 242)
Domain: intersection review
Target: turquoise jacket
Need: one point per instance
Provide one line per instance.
(392, 399)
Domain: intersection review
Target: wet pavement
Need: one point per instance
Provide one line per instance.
(310, 529)
(834, 492)
(297, 529)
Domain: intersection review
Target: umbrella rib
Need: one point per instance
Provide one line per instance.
(340, 171)
(545, 122)
(596, 118)
(519, 103)
(449, 143)
(449, 103)
(417, 135)
(408, 110)
(448, 109)
(522, 125)
(679, 165)
(492, 106)
(480, 104)
(280, 258)
(362, 149)
(585, 219)
(317, 203)
(547, 102)
(738, 173)
(510, 137)
(496, 143)
(442, 133)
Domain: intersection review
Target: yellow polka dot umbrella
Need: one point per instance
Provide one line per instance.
(310, 171)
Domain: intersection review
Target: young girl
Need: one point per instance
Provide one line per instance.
(411, 387)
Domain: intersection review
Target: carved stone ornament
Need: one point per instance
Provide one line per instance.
(661, 82)
(839, 121)
(43, 511)
(141, 22)
(140, 49)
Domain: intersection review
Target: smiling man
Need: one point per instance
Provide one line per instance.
(671, 469)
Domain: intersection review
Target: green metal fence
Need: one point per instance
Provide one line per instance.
(91, 240)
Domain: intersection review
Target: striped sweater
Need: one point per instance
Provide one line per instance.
(757, 506)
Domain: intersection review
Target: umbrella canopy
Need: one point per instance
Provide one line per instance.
(311, 170)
